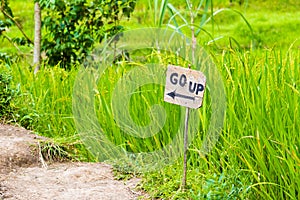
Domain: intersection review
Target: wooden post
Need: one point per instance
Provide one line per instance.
(186, 126)
(186, 129)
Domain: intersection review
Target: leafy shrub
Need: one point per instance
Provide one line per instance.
(73, 27)
(6, 93)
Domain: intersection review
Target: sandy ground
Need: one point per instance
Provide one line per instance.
(24, 176)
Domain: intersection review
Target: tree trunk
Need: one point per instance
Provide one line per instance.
(37, 37)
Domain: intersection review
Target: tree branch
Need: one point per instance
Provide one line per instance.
(17, 24)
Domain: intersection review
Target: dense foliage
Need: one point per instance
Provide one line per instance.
(74, 27)
(6, 93)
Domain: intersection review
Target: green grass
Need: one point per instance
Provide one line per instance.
(257, 155)
(271, 22)
(44, 105)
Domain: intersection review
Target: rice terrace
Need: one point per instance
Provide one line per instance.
(148, 99)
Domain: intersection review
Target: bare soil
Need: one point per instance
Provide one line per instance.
(24, 175)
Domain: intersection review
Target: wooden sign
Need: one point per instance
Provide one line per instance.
(184, 87)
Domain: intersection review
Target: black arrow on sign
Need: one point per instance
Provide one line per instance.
(174, 94)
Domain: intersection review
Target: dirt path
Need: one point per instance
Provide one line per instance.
(22, 175)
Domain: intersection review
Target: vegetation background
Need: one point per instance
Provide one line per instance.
(257, 155)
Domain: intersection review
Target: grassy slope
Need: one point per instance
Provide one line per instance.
(271, 22)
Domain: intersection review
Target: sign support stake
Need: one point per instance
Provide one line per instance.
(186, 126)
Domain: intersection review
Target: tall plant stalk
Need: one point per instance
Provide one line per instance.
(37, 37)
